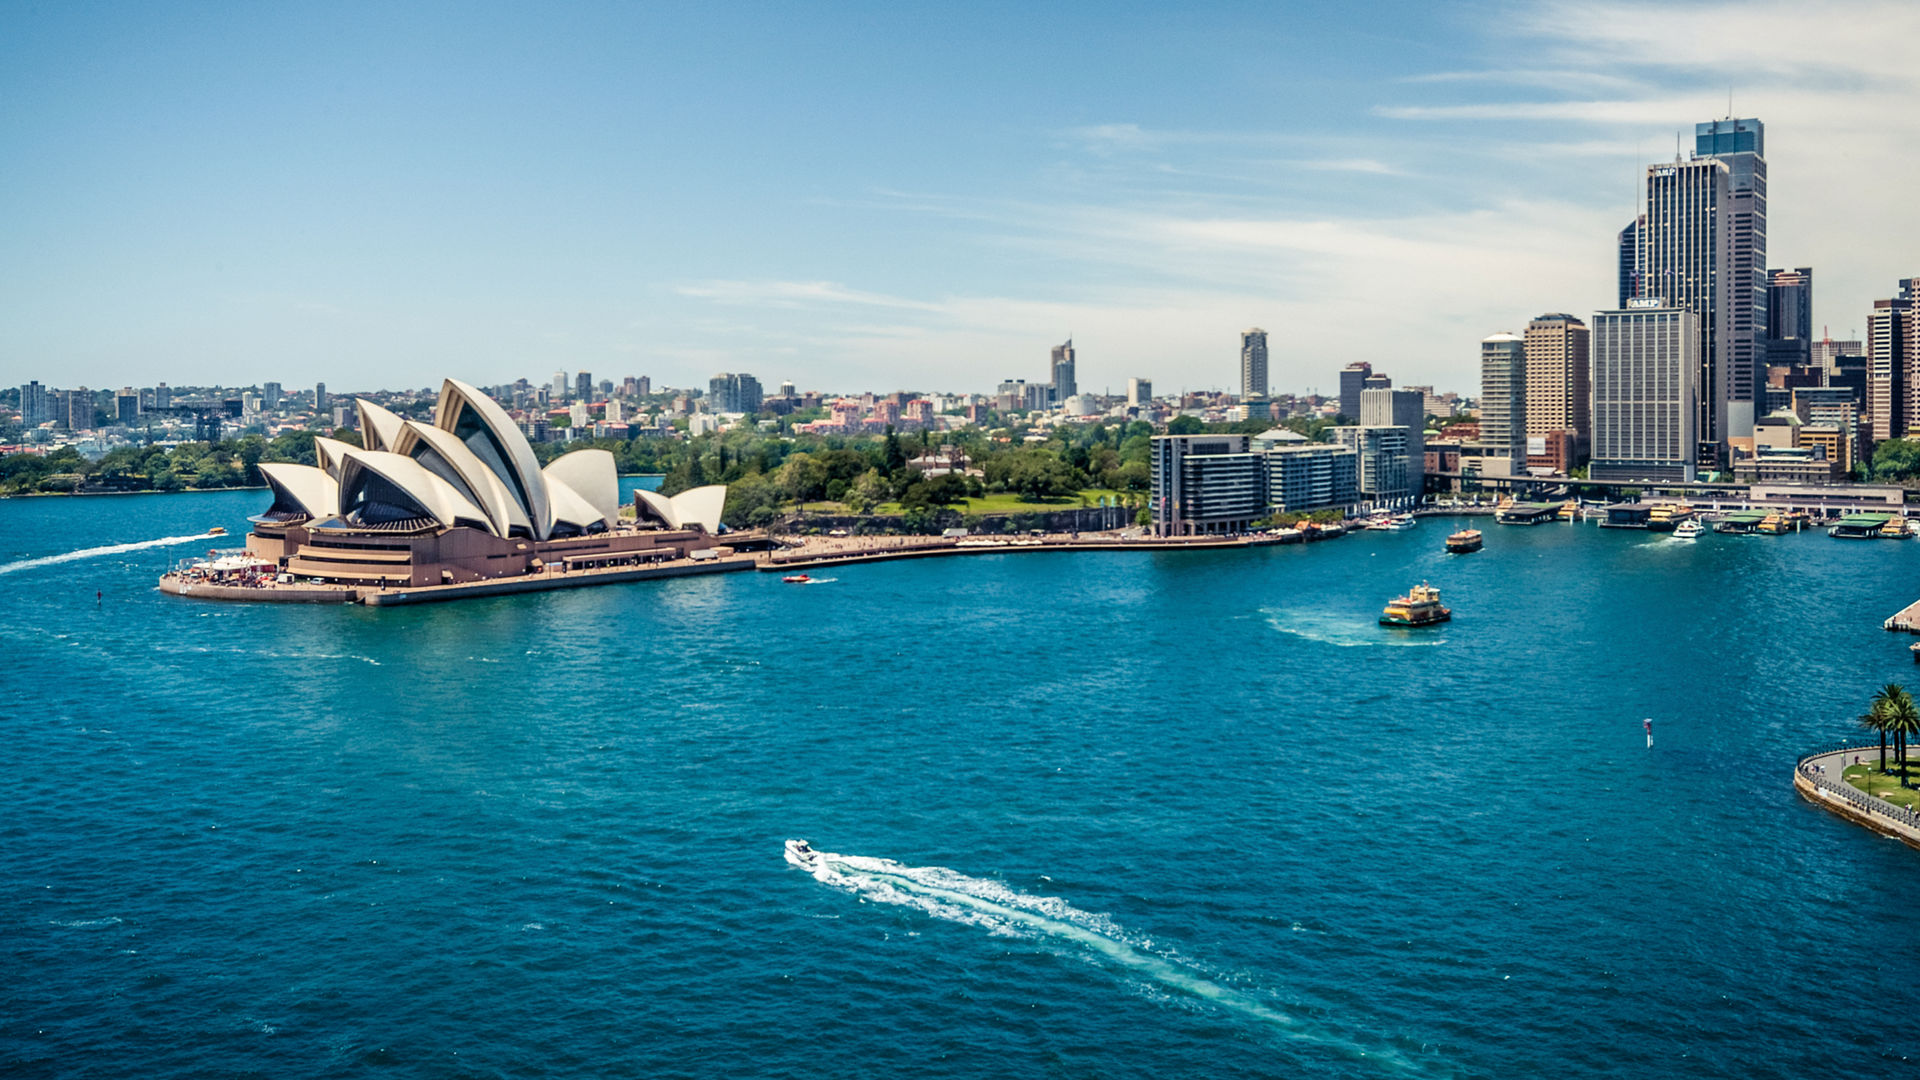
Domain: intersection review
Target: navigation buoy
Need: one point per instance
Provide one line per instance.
(1649, 724)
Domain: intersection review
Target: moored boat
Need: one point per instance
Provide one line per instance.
(1464, 541)
(1420, 607)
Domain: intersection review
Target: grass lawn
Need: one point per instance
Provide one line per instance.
(1877, 784)
(1004, 503)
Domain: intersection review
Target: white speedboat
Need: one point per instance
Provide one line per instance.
(1689, 529)
(802, 855)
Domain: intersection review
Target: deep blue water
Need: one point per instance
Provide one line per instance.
(1197, 814)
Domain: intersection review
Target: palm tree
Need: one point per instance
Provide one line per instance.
(1903, 719)
(1878, 714)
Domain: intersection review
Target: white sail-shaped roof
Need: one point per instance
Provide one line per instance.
(378, 426)
(426, 493)
(592, 475)
(328, 452)
(301, 489)
(439, 450)
(476, 420)
(700, 506)
(572, 512)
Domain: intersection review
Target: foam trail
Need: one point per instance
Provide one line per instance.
(946, 894)
(96, 552)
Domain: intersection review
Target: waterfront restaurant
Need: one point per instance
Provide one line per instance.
(462, 500)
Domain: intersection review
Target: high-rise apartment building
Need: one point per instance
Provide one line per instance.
(1893, 362)
(1684, 245)
(1789, 338)
(74, 409)
(1646, 379)
(162, 397)
(1353, 379)
(1139, 392)
(1253, 364)
(559, 385)
(1503, 405)
(1064, 386)
(1742, 144)
(126, 405)
(583, 386)
(1559, 392)
(271, 394)
(643, 385)
(731, 393)
(1402, 409)
(35, 409)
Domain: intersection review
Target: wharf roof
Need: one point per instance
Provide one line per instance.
(1863, 520)
(1749, 517)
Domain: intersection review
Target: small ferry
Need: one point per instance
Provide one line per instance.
(796, 579)
(1690, 529)
(217, 530)
(1896, 529)
(1570, 510)
(1464, 541)
(1420, 607)
(802, 855)
(1772, 525)
(1400, 522)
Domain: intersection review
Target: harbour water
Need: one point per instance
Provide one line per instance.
(1118, 815)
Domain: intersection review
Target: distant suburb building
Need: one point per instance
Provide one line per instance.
(1646, 389)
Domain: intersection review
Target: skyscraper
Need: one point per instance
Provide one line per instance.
(1630, 260)
(1503, 404)
(583, 386)
(559, 386)
(1789, 338)
(1646, 377)
(731, 393)
(1063, 384)
(1353, 379)
(1742, 144)
(1683, 246)
(1139, 392)
(270, 394)
(1893, 362)
(1253, 364)
(161, 396)
(1558, 387)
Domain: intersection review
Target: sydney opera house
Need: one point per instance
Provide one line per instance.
(463, 500)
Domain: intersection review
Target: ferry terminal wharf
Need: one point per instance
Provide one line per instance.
(815, 552)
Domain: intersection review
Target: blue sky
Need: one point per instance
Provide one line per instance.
(890, 196)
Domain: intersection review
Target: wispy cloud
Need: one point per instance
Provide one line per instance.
(793, 294)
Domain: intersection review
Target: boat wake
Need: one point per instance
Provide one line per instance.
(97, 552)
(992, 906)
(1347, 633)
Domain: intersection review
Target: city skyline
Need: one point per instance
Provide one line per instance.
(371, 197)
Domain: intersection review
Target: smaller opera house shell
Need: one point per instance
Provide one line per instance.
(460, 500)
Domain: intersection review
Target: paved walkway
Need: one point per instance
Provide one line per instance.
(1855, 805)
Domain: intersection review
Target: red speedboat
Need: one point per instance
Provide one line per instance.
(796, 579)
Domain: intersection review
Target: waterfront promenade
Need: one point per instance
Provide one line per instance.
(1819, 779)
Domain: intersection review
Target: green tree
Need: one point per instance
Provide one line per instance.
(1185, 425)
(1902, 720)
